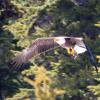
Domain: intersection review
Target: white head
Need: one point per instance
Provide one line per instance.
(60, 40)
(79, 49)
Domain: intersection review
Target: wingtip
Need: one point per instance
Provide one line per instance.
(96, 69)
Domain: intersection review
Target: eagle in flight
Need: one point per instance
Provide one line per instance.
(73, 45)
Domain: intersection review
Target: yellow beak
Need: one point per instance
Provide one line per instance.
(71, 51)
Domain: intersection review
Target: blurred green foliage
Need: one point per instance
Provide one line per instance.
(21, 22)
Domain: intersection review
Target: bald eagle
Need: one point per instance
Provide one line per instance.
(73, 45)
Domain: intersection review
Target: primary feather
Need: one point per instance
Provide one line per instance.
(39, 46)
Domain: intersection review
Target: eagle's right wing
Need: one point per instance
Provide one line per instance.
(39, 46)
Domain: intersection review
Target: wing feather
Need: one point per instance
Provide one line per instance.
(39, 46)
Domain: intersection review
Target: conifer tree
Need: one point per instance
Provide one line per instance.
(22, 21)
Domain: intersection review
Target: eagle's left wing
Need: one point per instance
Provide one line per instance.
(92, 58)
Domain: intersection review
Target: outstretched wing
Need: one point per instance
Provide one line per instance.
(39, 46)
